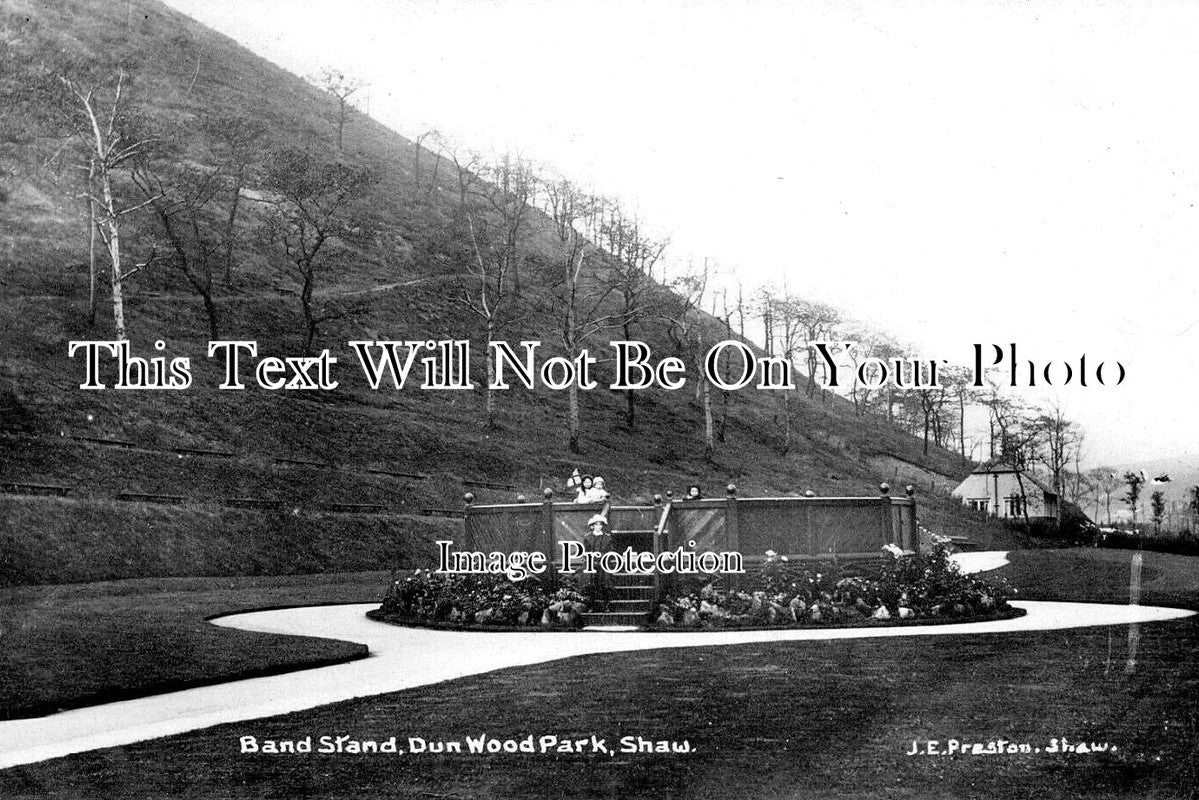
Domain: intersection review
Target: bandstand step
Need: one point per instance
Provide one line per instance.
(606, 618)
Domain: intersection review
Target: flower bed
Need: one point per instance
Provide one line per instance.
(905, 589)
(912, 588)
(488, 602)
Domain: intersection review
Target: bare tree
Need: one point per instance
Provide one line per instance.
(788, 342)
(103, 123)
(1082, 485)
(237, 145)
(467, 166)
(1157, 505)
(578, 293)
(1134, 481)
(724, 313)
(888, 351)
(495, 218)
(311, 211)
(740, 308)
(182, 208)
(1107, 482)
(342, 86)
(436, 140)
(763, 302)
(1086, 489)
(1018, 438)
(859, 391)
(818, 322)
(930, 402)
(686, 330)
(959, 382)
(1057, 436)
(630, 276)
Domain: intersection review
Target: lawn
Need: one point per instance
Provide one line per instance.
(833, 719)
(78, 644)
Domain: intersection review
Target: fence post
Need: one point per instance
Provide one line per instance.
(547, 532)
(888, 531)
(732, 529)
(807, 521)
(913, 539)
(731, 522)
(468, 530)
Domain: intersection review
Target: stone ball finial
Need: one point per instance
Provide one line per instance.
(669, 494)
(884, 488)
(468, 498)
(549, 493)
(657, 499)
(809, 493)
(731, 489)
(910, 489)
(520, 498)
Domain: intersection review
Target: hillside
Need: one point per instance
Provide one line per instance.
(263, 482)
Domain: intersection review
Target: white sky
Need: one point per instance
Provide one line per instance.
(950, 172)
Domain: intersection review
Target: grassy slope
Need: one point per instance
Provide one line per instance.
(44, 293)
(811, 720)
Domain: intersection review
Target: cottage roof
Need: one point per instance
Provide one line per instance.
(997, 465)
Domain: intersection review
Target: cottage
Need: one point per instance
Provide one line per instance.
(1002, 491)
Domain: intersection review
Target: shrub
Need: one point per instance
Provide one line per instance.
(428, 596)
(1185, 543)
(785, 594)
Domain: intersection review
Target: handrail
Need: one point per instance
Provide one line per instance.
(658, 534)
(662, 522)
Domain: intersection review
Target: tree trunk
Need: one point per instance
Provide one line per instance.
(310, 322)
(630, 409)
(213, 317)
(113, 241)
(91, 244)
(341, 120)
(231, 223)
(786, 423)
(1023, 501)
(91, 263)
(709, 435)
(114, 257)
(1059, 487)
(572, 417)
(962, 424)
(416, 165)
(436, 173)
(489, 397)
(724, 416)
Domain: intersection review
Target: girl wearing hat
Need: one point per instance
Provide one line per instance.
(598, 540)
(585, 489)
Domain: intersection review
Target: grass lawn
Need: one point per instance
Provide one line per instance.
(78, 644)
(809, 720)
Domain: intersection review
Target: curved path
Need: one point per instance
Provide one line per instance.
(403, 658)
(981, 561)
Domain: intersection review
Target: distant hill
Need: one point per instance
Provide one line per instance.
(256, 481)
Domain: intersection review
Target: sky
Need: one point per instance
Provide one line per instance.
(952, 173)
